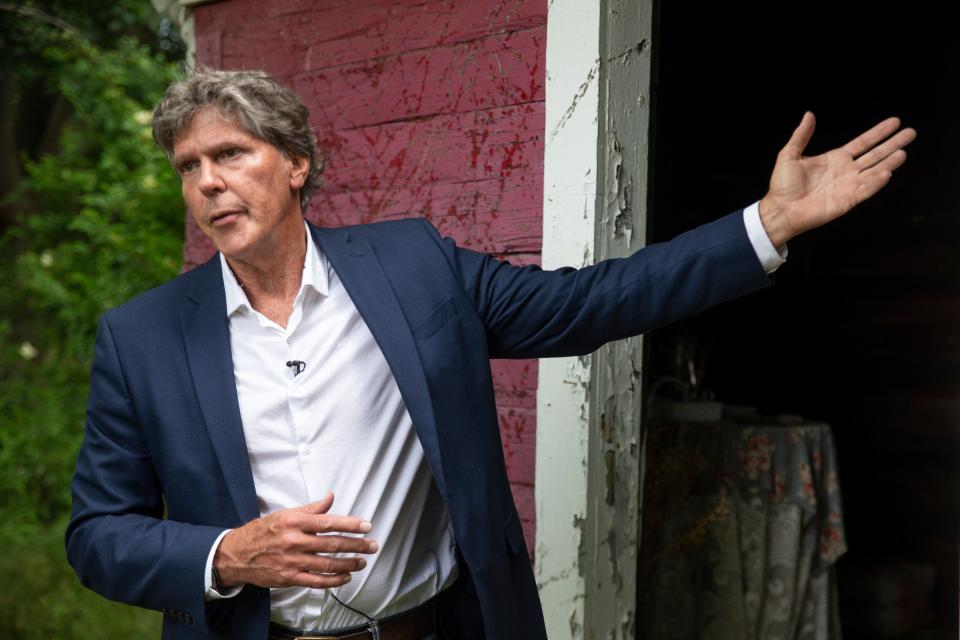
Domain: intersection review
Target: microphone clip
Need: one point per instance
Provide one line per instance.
(297, 366)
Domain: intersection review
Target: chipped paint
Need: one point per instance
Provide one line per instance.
(577, 97)
(431, 109)
(614, 558)
(634, 50)
(610, 466)
(576, 631)
(622, 57)
(616, 399)
(622, 187)
(562, 558)
(589, 408)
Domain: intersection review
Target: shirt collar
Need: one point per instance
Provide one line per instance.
(315, 275)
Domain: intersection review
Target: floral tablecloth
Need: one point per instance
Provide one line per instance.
(742, 523)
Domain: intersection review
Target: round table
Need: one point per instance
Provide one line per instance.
(742, 523)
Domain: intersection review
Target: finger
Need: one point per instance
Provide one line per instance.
(337, 544)
(874, 179)
(800, 138)
(329, 523)
(868, 139)
(328, 564)
(319, 580)
(870, 186)
(888, 164)
(878, 154)
(321, 506)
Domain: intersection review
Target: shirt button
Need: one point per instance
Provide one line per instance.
(304, 449)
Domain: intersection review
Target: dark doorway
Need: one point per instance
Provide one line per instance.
(862, 329)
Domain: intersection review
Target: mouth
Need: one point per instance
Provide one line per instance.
(224, 217)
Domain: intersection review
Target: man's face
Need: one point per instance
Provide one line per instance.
(242, 191)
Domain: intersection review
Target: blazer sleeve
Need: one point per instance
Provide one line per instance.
(117, 540)
(530, 313)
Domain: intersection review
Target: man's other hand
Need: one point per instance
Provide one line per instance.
(806, 192)
(283, 549)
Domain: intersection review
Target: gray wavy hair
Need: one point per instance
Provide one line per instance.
(250, 99)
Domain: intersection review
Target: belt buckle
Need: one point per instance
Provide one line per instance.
(315, 638)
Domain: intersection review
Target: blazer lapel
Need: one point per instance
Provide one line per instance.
(207, 335)
(358, 268)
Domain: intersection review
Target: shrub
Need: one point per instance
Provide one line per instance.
(99, 221)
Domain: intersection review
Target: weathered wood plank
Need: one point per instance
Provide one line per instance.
(504, 143)
(515, 383)
(296, 37)
(518, 432)
(495, 71)
(486, 216)
(428, 108)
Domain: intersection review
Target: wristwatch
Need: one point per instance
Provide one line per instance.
(215, 582)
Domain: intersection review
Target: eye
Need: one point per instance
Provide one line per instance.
(186, 167)
(232, 152)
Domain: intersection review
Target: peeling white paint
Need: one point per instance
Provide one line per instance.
(581, 92)
(589, 458)
(563, 412)
(616, 400)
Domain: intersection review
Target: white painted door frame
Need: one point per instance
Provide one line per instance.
(589, 449)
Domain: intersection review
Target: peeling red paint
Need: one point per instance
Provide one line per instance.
(426, 108)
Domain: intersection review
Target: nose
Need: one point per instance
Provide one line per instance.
(210, 182)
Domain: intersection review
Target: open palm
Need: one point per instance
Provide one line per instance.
(806, 192)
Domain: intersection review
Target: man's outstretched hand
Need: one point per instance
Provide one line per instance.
(806, 192)
(281, 549)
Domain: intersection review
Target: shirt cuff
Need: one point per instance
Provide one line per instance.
(769, 257)
(209, 593)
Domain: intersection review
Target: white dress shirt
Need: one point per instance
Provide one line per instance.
(768, 255)
(342, 425)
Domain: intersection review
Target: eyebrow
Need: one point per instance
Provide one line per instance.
(223, 146)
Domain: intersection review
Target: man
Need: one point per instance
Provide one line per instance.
(228, 406)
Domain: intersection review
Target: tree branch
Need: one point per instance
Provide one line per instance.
(43, 16)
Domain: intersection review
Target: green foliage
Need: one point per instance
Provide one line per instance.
(28, 27)
(43, 599)
(100, 221)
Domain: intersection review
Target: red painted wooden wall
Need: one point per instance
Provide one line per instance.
(426, 108)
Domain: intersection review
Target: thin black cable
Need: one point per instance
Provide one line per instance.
(346, 606)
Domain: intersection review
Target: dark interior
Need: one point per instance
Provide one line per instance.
(862, 329)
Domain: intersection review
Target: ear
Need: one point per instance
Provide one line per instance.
(299, 169)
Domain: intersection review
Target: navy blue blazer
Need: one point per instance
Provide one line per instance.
(163, 468)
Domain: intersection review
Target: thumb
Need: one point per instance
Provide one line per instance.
(801, 137)
(320, 506)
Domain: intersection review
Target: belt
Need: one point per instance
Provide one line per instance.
(415, 624)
